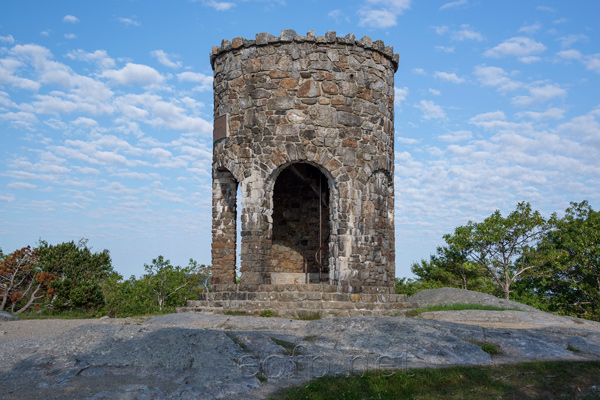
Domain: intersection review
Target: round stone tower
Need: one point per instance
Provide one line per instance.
(304, 128)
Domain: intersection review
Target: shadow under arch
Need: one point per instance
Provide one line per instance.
(302, 208)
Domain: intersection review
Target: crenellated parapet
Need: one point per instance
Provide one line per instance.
(289, 36)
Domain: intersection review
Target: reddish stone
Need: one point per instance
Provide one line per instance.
(309, 89)
(349, 143)
(329, 87)
(278, 74)
(288, 83)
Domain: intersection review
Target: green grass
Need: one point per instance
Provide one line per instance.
(534, 380)
(70, 314)
(288, 346)
(267, 313)
(456, 307)
(237, 341)
(490, 348)
(237, 313)
(309, 316)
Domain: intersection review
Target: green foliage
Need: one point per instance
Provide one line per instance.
(162, 288)
(505, 247)
(78, 273)
(267, 313)
(410, 286)
(572, 281)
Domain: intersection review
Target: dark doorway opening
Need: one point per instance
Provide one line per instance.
(301, 229)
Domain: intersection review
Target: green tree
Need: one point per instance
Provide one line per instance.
(572, 281)
(79, 272)
(166, 280)
(505, 247)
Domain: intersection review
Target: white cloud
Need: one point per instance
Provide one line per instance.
(159, 153)
(7, 198)
(550, 114)
(450, 77)
(83, 121)
(164, 59)
(457, 136)
(592, 63)
(570, 54)
(338, 16)
(539, 94)
(568, 41)
(435, 92)
(205, 81)
(99, 57)
(8, 75)
(385, 16)
(454, 4)
(531, 29)
(218, 5)
(45, 33)
(7, 39)
(445, 49)
(70, 36)
(22, 186)
(400, 95)
(133, 74)
(489, 120)
(418, 71)
(466, 33)
(20, 119)
(495, 77)
(519, 46)
(70, 18)
(440, 30)
(546, 8)
(130, 21)
(431, 110)
(530, 59)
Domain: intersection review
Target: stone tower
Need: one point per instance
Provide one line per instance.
(304, 126)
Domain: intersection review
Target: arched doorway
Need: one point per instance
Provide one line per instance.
(301, 226)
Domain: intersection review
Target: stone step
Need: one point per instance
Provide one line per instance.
(294, 304)
(301, 313)
(295, 296)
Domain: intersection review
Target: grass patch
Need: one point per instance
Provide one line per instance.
(456, 307)
(488, 347)
(533, 380)
(309, 316)
(311, 338)
(236, 313)
(573, 349)
(267, 313)
(288, 346)
(237, 341)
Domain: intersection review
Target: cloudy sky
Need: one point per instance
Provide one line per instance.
(106, 114)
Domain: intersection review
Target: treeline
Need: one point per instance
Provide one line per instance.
(550, 263)
(71, 278)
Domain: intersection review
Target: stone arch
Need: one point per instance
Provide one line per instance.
(301, 229)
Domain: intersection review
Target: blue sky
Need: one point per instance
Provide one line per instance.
(106, 114)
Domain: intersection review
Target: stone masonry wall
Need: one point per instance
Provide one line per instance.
(325, 101)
